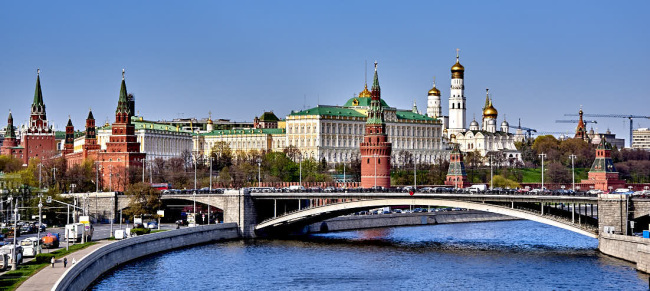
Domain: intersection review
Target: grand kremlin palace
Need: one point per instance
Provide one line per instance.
(334, 133)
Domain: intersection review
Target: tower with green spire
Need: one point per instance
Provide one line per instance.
(375, 148)
(603, 174)
(38, 140)
(9, 143)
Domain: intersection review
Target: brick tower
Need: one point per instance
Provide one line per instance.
(456, 176)
(90, 141)
(68, 146)
(39, 139)
(603, 174)
(375, 148)
(123, 148)
(10, 144)
(581, 129)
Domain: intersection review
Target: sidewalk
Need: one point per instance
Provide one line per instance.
(47, 277)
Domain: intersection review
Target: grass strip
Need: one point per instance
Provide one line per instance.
(12, 279)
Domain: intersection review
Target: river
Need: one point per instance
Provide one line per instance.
(506, 255)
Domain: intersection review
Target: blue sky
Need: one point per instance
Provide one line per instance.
(238, 58)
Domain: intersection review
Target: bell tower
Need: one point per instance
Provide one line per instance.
(457, 108)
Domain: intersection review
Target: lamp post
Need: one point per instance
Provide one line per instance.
(415, 175)
(491, 173)
(542, 155)
(211, 158)
(345, 182)
(14, 265)
(375, 158)
(259, 172)
(40, 222)
(300, 166)
(194, 217)
(573, 172)
(40, 176)
(195, 174)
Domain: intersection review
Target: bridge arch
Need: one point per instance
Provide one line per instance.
(316, 214)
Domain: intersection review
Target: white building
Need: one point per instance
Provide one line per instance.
(641, 139)
(156, 140)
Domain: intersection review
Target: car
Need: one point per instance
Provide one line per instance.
(152, 224)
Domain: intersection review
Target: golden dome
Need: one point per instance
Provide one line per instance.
(434, 91)
(209, 121)
(457, 67)
(490, 111)
(365, 92)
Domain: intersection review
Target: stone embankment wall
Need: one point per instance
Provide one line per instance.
(403, 219)
(630, 248)
(91, 267)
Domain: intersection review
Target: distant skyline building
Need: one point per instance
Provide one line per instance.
(641, 138)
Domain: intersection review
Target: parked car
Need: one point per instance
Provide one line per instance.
(152, 224)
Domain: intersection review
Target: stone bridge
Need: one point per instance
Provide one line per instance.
(277, 213)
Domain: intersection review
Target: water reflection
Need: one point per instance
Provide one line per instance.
(511, 255)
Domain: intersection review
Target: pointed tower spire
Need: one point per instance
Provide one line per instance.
(90, 114)
(9, 131)
(38, 93)
(123, 102)
(375, 84)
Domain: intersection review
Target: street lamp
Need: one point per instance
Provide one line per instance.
(194, 217)
(573, 172)
(259, 172)
(211, 158)
(300, 156)
(194, 174)
(375, 157)
(14, 265)
(491, 173)
(415, 175)
(40, 222)
(542, 155)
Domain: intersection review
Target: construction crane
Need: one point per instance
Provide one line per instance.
(630, 117)
(528, 131)
(575, 121)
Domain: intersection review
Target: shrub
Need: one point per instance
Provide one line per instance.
(140, 231)
(44, 258)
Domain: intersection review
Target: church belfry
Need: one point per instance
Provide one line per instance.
(457, 107)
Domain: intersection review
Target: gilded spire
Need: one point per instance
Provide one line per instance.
(487, 98)
(457, 70)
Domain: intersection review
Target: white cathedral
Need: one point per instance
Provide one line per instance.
(486, 140)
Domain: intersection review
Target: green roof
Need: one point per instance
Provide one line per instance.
(61, 134)
(246, 131)
(410, 115)
(268, 116)
(38, 93)
(363, 102)
(329, 111)
(144, 124)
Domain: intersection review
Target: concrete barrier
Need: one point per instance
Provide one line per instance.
(630, 248)
(95, 264)
(403, 219)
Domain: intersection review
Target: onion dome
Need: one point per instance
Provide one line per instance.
(505, 123)
(457, 70)
(490, 111)
(209, 121)
(434, 91)
(365, 92)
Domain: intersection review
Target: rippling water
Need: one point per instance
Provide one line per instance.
(509, 255)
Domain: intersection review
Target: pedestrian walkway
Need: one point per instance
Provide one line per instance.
(47, 277)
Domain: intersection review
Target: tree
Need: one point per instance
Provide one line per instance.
(222, 156)
(292, 152)
(503, 182)
(143, 199)
(10, 164)
(558, 173)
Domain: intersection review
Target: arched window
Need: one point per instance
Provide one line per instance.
(378, 161)
(368, 161)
